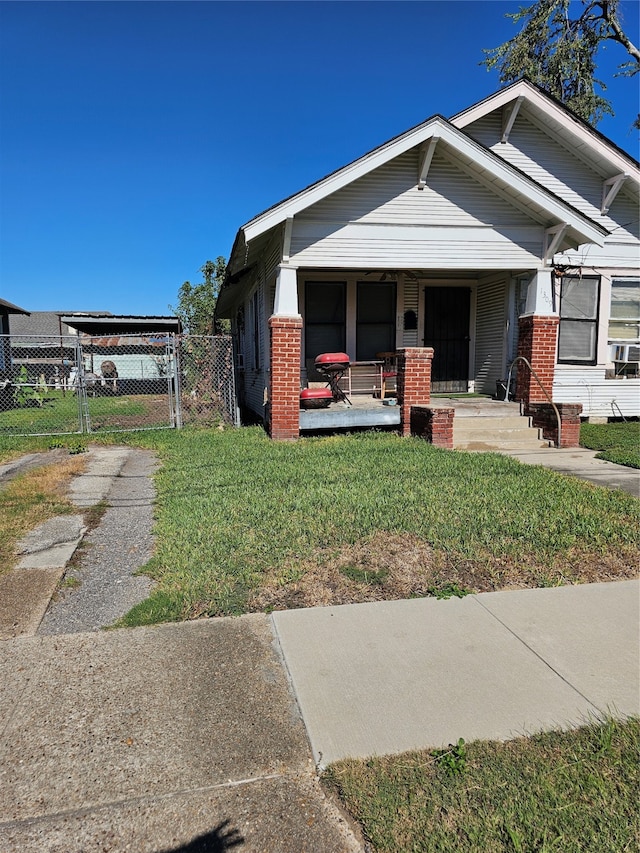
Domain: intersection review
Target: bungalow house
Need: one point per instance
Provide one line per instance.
(508, 230)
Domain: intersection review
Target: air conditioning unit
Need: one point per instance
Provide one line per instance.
(625, 353)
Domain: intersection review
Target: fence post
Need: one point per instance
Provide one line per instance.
(177, 350)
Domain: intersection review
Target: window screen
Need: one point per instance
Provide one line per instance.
(624, 322)
(578, 338)
(375, 319)
(325, 309)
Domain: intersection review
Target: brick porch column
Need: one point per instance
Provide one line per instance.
(414, 381)
(537, 342)
(284, 378)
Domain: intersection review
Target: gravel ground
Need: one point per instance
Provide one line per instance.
(100, 587)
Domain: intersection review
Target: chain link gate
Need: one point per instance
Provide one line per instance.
(79, 384)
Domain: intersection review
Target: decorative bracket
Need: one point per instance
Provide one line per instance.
(552, 239)
(610, 189)
(286, 242)
(509, 115)
(426, 155)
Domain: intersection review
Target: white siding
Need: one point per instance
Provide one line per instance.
(599, 396)
(411, 300)
(544, 159)
(383, 219)
(490, 335)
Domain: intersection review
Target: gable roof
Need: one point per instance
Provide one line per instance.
(581, 137)
(526, 193)
(10, 308)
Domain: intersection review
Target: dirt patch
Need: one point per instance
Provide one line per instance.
(387, 567)
(155, 414)
(33, 498)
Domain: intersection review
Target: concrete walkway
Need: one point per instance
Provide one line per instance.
(582, 463)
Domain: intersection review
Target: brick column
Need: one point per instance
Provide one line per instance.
(537, 342)
(284, 378)
(414, 382)
(434, 423)
(544, 417)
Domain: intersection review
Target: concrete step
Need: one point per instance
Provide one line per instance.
(515, 444)
(485, 422)
(489, 434)
(504, 432)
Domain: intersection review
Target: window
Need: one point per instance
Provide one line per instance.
(578, 338)
(255, 328)
(624, 320)
(325, 314)
(376, 319)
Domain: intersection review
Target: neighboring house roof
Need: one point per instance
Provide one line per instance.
(42, 324)
(122, 324)
(10, 308)
(55, 323)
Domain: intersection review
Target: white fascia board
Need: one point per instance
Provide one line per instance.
(491, 164)
(342, 178)
(582, 132)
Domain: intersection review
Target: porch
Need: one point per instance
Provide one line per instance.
(365, 411)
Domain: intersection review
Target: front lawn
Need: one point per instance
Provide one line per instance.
(575, 792)
(244, 523)
(618, 442)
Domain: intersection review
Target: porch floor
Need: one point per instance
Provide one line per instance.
(368, 411)
(365, 411)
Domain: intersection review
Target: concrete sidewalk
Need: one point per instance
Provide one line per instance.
(397, 675)
(145, 739)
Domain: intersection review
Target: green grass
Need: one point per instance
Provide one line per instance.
(59, 413)
(618, 442)
(234, 506)
(574, 792)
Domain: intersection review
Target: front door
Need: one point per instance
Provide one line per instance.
(446, 329)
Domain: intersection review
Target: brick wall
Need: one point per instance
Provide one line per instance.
(543, 416)
(413, 382)
(284, 378)
(537, 342)
(433, 423)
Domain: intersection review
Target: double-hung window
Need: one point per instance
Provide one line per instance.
(578, 337)
(376, 319)
(624, 320)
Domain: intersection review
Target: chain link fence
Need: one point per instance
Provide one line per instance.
(79, 384)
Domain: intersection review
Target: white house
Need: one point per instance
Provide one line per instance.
(511, 228)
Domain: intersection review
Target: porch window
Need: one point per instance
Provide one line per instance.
(376, 319)
(325, 318)
(624, 320)
(578, 337)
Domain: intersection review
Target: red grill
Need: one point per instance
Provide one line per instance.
(330, 362)
(334, 365)
(315, 398)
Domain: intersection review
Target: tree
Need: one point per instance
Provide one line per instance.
(197, 302)
(559, 52)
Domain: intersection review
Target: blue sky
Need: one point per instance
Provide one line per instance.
(137, 137)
